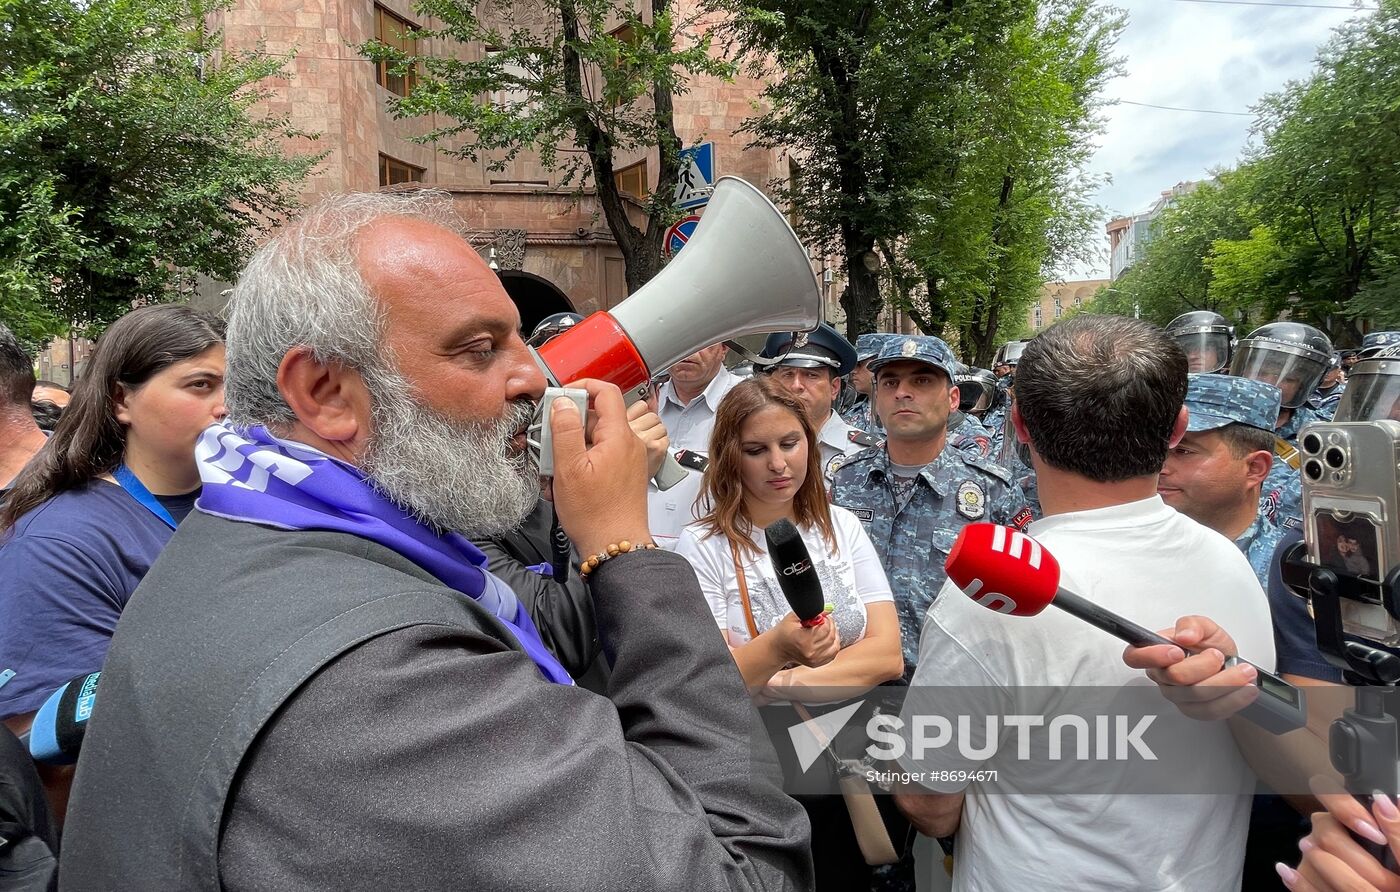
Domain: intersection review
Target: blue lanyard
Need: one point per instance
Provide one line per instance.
(138, 491)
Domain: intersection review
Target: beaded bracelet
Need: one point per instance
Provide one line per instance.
(612, 551)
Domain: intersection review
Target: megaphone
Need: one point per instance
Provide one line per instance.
(743, 272)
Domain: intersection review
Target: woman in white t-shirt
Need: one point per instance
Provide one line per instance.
(765, 466)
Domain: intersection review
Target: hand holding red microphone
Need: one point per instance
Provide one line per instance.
(1009, 572)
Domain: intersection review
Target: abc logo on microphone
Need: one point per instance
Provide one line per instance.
(796, 568)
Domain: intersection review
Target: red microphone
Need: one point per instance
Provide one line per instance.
(1009, 572)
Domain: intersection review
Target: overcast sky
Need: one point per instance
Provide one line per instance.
(1216, 56)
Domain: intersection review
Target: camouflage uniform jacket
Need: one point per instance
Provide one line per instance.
(968, 434)
(1323, 403)
(1258, 544)
(861, 416)
(914, 535)
(1302, 416)
(1281, 496)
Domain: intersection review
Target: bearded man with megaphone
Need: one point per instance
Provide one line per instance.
(360, 702)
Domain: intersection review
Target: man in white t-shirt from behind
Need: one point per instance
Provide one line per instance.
(1099, 400)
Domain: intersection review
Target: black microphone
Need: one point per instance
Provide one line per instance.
(796, 576)
(59, 725)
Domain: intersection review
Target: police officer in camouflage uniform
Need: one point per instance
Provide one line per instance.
(859, 415)
(1004, 367)
(913, 494)
(1214, 475)
(1293, 357)
(1328, 394)
(811, 369)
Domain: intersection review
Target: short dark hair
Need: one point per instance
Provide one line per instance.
(16, 370)
(1242, 439)
(1100, 396)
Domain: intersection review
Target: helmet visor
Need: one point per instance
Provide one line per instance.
(1206, 351)
(1370, 397)
(975, 396)
(1294, 374)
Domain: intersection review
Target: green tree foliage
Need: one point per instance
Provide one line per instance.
(1329, 182)
(589, 75)
(1309, 223)
(868, 91)
(1009, 205)
(1214, 226)
(130, 159)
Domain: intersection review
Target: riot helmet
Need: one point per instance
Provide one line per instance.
(1373, 389)
(1373, 343)
(1205, 336)
(1009, 354)
(1289, 355)
(551, 326)
(977, 389)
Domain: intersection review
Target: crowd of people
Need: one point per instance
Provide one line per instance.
(349, 638)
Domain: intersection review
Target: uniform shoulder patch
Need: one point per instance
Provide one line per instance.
(687, 458)
(861, 438)
(989, 466)
(1021, 519)
(843, 461)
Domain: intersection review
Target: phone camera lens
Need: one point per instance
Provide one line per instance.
(1335, 458)
(1312, 469)
(1312, 444)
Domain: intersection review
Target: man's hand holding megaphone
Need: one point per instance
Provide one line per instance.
(600, 479)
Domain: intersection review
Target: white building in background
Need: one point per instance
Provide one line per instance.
(1128, 236)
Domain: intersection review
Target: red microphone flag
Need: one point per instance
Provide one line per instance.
(988, 560)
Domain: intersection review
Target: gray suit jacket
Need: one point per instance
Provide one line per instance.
(426, 752)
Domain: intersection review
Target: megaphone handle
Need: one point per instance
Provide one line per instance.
(670, 473)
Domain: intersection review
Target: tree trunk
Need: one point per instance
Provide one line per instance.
(986, 313)
(641, 251)
(861, 296)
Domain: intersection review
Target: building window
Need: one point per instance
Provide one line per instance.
(392, 172)
(393, 31)
(515, 96)
(632, 179)
(1058, 309)
(1079, 301)
(1039, 319)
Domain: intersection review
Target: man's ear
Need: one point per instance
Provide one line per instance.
(954, 398)
(1019, 424)
(1257, 465)
(329, 399)
(1179, 428)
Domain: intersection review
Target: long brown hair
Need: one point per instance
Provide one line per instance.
(722, 489)
(89, 441)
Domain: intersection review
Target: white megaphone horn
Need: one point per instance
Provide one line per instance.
(743, 272)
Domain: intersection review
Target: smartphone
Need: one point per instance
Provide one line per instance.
(1351, 510)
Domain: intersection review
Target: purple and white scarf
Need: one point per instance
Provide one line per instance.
(250, 475)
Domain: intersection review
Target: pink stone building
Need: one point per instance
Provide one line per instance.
(554, 252)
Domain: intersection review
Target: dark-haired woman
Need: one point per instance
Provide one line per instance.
(88, 515)
(765, 465)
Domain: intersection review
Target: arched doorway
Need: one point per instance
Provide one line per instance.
(534, 297)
